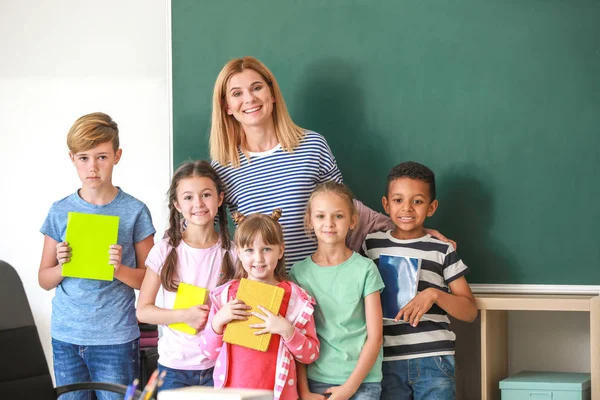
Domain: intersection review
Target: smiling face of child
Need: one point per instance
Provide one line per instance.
(260, 259)
(331, 218)
(198, 200)
(408, 203)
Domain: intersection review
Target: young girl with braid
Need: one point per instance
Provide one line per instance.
(195, 256)
(259, 244)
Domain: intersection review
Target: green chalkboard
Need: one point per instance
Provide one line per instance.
(501, 98)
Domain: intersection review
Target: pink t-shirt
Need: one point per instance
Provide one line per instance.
(200, 267)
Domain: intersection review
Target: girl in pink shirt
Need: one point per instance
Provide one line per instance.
(260, 247)
(194, 256)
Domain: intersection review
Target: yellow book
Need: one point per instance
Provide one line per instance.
(253, 294)
(90, 237)
(188, 296)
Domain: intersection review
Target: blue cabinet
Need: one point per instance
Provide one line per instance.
(533, 385)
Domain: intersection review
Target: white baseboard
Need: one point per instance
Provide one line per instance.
(481, 288)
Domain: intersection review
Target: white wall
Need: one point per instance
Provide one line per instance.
(60, 60)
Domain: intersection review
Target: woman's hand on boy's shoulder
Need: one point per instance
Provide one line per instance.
(437, 234)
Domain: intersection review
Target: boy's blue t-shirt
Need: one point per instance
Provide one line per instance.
(92, 312)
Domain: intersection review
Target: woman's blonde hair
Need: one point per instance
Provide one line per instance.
(329, 187)
(227, 134)
(248, 228)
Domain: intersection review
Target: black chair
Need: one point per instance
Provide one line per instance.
(24, 373)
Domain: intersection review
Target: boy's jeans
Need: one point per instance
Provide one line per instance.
(366, 390)
(119, 363)
(177, 378)
(430, 378)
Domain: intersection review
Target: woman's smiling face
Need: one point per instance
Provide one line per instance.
(249, 99)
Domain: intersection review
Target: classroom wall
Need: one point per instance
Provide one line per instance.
(60, 60)
(548, 341)
(64, 59)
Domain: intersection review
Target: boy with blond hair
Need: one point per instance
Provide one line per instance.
(95, 336)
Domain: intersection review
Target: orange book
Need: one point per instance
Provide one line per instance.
(253, 294)
(188, 296)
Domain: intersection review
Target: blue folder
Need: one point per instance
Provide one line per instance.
(401, 277)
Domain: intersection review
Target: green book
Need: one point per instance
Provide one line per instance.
(89, 237)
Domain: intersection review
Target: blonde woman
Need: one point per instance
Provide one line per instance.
(267, 161)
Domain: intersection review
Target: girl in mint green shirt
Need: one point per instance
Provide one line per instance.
(348, 317)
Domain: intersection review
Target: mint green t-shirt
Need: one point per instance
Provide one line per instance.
(340, 314)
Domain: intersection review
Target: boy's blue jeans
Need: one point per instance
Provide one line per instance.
(366, 390)
(430, 378)
(177, 378)
(119, 363)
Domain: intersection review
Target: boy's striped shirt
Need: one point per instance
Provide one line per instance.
(440, 265)
(280, 179)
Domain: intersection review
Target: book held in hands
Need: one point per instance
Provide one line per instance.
(90, 237)
(400, 275)
(188, 296)
(253, 294)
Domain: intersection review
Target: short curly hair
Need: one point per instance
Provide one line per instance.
(412, 170)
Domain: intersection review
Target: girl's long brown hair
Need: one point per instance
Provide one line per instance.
(169, 276)
(248, 227)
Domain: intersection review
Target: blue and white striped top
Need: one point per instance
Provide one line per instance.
(279, 179)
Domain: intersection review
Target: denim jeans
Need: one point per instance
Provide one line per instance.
(119, 363)
(177, 378)
(366, 390)
(430, 378)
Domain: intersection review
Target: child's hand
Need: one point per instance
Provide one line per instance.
(339, 392)
(115, 253)
(196, 316)
(63, 253)
(235, 310)
(419, 305)
(273, 324)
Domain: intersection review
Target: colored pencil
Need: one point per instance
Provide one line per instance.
(157, 384)
(131, 390)
(149, 386)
